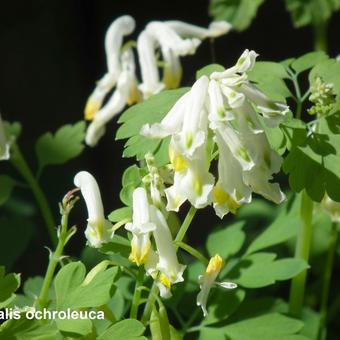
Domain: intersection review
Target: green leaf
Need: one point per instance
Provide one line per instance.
(6, 186)
(131, 175)
(309, 12)
(239, 13)
(227, 241)
(24, 329)
(72, 291)
(58, 148)
(314, 161)
(218, 310)
(308, 60)
(261, 269)
(283, 228)
(31, 289)
(269, 78)
(120, 214)
(265, 327)
(13, 129)
(208, 70)
(8, 285)
(128, 329)
(75, 326)
(159, 324)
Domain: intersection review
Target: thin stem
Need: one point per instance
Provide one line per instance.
(320, 36)
(22, 167)
(149, 304)
(298, 97)
(327, 280)
(192, 251)
(303, 243)
(137, 294)
(54, 260)
(185, 225)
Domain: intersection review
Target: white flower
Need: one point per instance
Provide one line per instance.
(207, 281)
(215, 29)
(273, 112)
(230, 191)
(192, 180)
(140, 228)
(99, 230)
(170, 270)
(122, 26)
(172, 73)
(4, 143)
(332, 208)
(146, 46)
(126, 92)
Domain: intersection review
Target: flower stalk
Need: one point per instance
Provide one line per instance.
(22, 167)
(303, 244)
(64, 235)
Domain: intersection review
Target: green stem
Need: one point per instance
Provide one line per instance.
(137, 294)
(54, 260)
(327, 280)
(22, 167)
(298, 97)
(149, 304)
(185, 225)
(320, 36)
(303, 243)
(192, 251)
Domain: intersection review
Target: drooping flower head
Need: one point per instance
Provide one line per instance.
(224, 107)
(98, 230)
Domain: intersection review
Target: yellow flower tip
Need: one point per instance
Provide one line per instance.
(170, 79)
(215, 265)
(178, 162)
(137, 257)
(134, 96)
(164, 280)
(221, 197)
(91, 109)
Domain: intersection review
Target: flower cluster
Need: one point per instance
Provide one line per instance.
(168, 37)
(221, 110)
(162, 264)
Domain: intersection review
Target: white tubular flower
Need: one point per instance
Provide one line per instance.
(167, 37)
(146, 45)
(230, 191)
(125, 92)
(215, 29)
(192, 180)
(4, 143)
(122, 26)
(193, 132)
(332, 208)
(171, 271)
(217, 109)
(171, 123)
(172, 73)
(273, 113)
(207, 281)
(140, 228)
(99, 230)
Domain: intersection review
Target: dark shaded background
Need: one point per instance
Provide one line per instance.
(51, 53)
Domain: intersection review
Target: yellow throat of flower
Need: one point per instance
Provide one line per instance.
(177, 161)
(91, 108)
(215, 265)
(139, 257)
(164, 280)
(221, 197)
